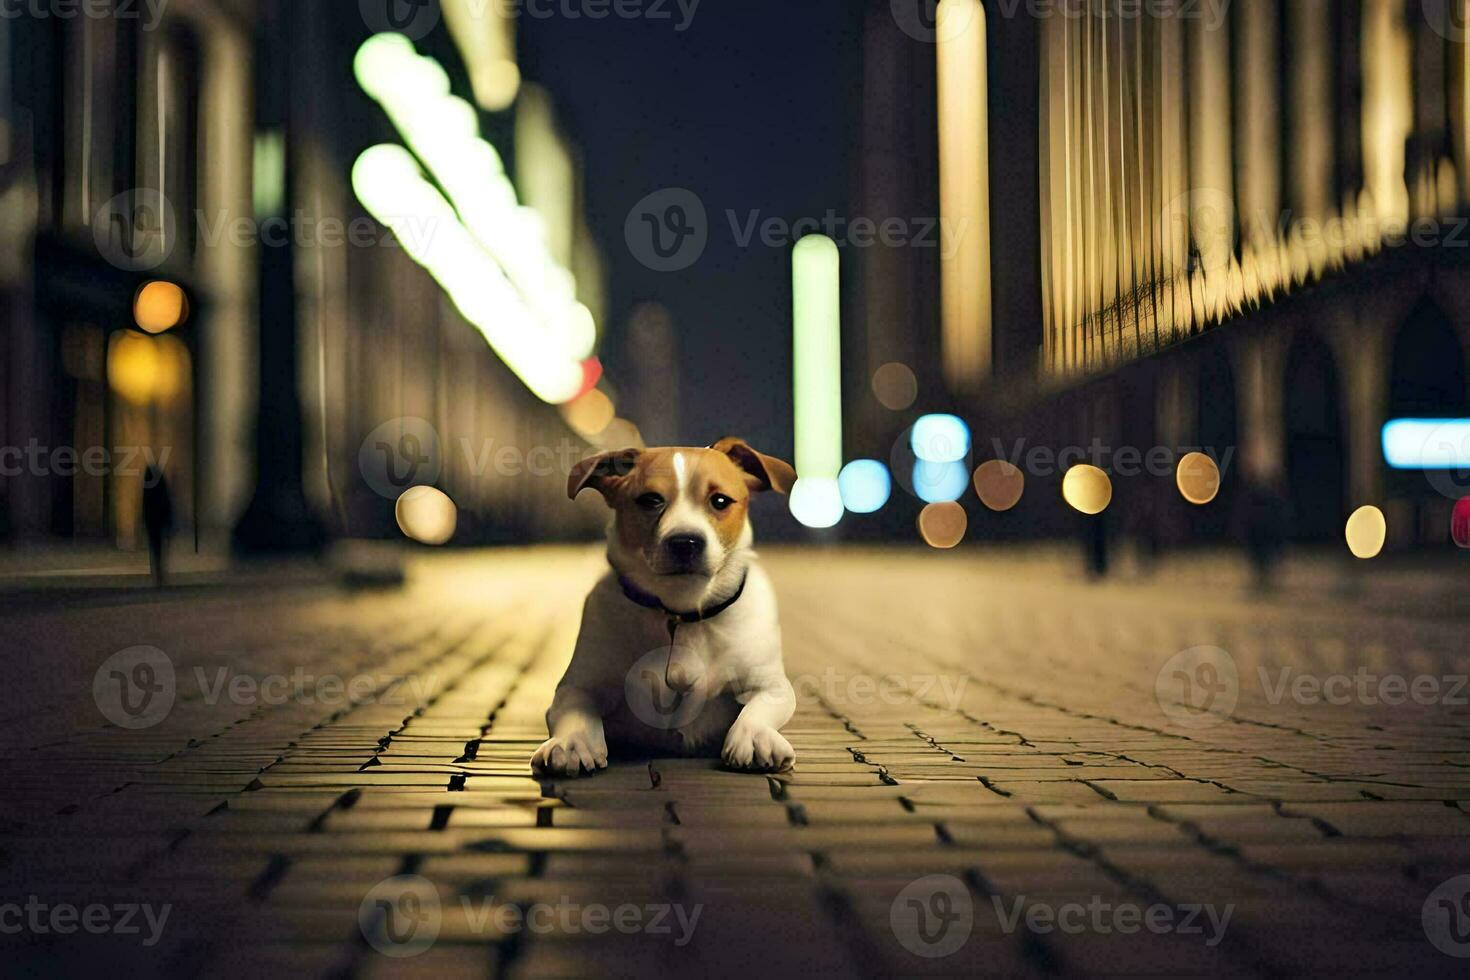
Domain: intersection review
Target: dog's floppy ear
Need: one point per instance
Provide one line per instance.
(762, 472)
(601, 472)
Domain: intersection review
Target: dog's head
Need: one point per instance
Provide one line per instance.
(681, 516)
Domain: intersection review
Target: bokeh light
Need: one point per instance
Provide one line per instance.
(589, 415)
(943, 525)
(895, 386)
(160, 306)
(938, 483)
(1460, 523)
(426, 515)
(999, 484)
(496, 84)
(1198, 478)
(619, 434)
(1366, 531)
(865, 486)
(144, 370)
(490, 254)
(1087, 489)
(816, 336)
(816, 501)
(389, 183)
(940, 439)
(964, 190)
(1427, 444)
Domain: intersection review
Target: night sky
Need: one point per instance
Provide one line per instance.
(752, 108)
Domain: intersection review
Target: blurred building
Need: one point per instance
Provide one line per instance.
(188, 279)
(1236, 226)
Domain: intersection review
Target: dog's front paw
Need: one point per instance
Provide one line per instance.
(757, 748)
(570, 755)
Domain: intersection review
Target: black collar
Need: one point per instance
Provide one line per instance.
(648, 601)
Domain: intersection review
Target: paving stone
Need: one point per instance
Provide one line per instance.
(797, 838)
(443, 961)
(639, 817)
(1053, 777)
(993, 834)
(720, 818)
(460, 870)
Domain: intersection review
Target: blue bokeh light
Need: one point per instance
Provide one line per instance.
(1427, 444)
(816, 502)
(940, 483)
(940, 439)
(865, 486)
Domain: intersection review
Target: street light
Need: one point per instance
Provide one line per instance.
(816, 499)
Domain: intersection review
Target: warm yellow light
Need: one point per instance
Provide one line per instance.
(589, 415)
(133, 367)
(426, 515)
(895, 386)
(1087, 489)
(143, 370)
(943, 525)
(1198, 478)
(964, 191)
(999, 484)
(485, 36)
(160, 306)
(1366, 531)
(619, 434)
(1388, 107)
(496, 84)
(546, 175)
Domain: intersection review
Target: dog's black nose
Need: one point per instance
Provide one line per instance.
(685, 548)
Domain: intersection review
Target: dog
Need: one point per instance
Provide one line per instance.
(679, 650)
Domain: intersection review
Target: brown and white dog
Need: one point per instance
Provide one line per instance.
(679, 649)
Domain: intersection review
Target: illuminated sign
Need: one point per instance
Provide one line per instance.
(1427, 444)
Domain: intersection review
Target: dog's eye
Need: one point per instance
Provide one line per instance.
(650, 501)
(719, 501)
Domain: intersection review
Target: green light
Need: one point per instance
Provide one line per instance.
(443, 131)
(817, 357)
(376, 60)
(270, 173)
(390, 185)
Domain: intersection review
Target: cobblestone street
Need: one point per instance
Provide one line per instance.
(996, 761)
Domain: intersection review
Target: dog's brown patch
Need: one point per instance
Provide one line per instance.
(707, 474)
(730, 469)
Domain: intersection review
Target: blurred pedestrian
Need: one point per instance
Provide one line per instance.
(158, 519)
(1095, 544)
(1265, 526)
